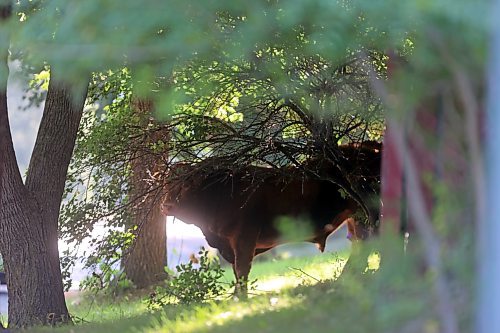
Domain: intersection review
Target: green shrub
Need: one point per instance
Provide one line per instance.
(191, 284)
(107, 280)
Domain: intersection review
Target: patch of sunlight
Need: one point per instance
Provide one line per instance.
(276, 284)
(331, 270)
(243, 309)
(219, 314)
(373, 261)
(94, 310)
(308, 275)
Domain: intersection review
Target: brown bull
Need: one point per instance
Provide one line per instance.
(237, 211)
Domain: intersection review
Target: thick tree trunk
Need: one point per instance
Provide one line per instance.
(29, 212)
(5, 13)
(144, 263)
(31, 261)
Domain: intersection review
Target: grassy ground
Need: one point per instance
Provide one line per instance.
(293, 295)
(283, 291)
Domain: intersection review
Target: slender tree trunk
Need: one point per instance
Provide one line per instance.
(29, 212)
(145, 262)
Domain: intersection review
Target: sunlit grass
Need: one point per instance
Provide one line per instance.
(213, 315)
(292, 295)
(96, 308)
(272, 276)
(297, 271)
(273, 293)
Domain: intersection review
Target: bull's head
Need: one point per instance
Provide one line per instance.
(182, 178)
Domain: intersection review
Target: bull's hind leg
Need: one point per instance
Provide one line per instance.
(244, 249)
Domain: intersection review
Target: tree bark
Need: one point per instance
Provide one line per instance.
(29, 212)
(144, 263)
(146, 260)
(5, 13)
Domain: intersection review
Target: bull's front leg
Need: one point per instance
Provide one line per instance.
(241, 285)
(244, 250)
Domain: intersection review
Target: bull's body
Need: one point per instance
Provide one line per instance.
(237, 212)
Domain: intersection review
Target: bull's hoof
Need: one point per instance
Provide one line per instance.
(240, 292)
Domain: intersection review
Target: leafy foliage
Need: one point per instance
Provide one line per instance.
(97, 185)
(242, 115)
(248, 81)
(68, 261)
(107, 280)
(230, 116)
(191, 285)
(210, 29)
(103, 137)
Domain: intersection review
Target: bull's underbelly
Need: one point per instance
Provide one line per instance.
(266, 244)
